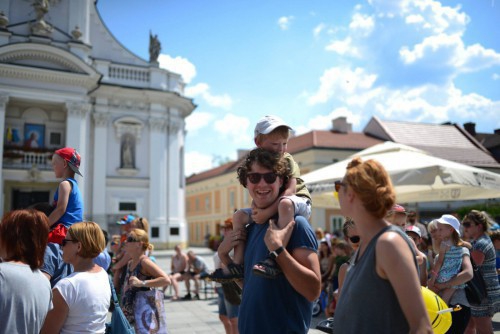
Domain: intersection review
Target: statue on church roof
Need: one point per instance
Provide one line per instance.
(154, 48)
(40, 27)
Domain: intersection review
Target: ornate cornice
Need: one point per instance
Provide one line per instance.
(14, 56)
(42, 75)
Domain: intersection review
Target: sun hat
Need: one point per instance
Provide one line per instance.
(267, 124)
(450, 220)
(127, 219)
(71, 156)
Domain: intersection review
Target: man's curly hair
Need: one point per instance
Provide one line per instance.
(266, 159)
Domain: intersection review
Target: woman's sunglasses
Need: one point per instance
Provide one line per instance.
(65, 241)
(339, 184)
(466, 224)
(355, 239)
(256, 177)
(132, 239)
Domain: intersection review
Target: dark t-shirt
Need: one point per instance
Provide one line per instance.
(273, 305)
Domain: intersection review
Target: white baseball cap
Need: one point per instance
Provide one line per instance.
(267, 124)
(450, 220)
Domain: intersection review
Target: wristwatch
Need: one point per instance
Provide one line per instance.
(274, 254)
(143, 283)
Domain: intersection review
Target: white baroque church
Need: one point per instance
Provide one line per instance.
(66, 81)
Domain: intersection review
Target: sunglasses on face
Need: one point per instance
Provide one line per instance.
(354, 239)
(65, 241)
(466, 224)
(131, 239)
(256, 177)
(339, 184)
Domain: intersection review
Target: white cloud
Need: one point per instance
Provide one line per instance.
(202, 90)
(235, 128)
(362, 24)
(495, 76)
(284, 22)
(198, 120)
(344, 47)
(338, 82)
(318, 29)
(196, 162)
(178, 65)
(445, 50)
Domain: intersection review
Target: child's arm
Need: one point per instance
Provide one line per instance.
(62, 202)
(437, 265)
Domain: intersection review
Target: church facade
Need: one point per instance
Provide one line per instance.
(66, 81)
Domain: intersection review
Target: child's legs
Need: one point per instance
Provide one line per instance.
(291, 206)
(240, 219)
(446, 294)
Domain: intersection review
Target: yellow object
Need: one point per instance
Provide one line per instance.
(336, 195)
(438, 311)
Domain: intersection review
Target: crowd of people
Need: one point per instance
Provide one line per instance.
(270, 267)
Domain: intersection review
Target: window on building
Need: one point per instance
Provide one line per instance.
(197, 204)
(127, 206)
(231, 200)
(155, 232)
(174, 231)
(55, 139)
(336, 223)
(207, 203)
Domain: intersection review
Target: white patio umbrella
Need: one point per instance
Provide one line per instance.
(416, 176)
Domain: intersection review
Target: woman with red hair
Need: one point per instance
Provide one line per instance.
(25, 294)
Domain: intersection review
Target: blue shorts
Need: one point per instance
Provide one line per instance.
(225, 307)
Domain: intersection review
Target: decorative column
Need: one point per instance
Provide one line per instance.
(158, 176)
(4, 99)
(99, 162)
(176, 195)
(77, 127)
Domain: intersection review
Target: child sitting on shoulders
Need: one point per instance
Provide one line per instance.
(68, 202)
(271, 134)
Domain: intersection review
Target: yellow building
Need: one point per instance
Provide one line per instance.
(213, 195)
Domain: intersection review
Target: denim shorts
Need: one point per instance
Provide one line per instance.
(225, 307)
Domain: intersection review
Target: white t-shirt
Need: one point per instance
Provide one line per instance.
(88, 296)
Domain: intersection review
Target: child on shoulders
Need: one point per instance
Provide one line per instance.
(271, 134)
(68, 201)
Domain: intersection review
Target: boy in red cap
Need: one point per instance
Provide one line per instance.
(68, 202)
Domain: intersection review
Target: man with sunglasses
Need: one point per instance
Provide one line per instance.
(284, 304)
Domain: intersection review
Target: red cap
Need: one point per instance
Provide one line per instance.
(70, 155)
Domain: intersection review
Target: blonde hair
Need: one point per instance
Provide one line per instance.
(90, 235)
(372, 184)
(141, 235)
(281, 132)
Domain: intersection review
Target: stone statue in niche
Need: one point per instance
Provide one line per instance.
(128, 152)
(154, 48)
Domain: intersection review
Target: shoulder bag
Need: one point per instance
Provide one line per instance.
(119, 323)
(475, 289)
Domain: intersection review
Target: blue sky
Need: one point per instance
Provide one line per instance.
(309, 61)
